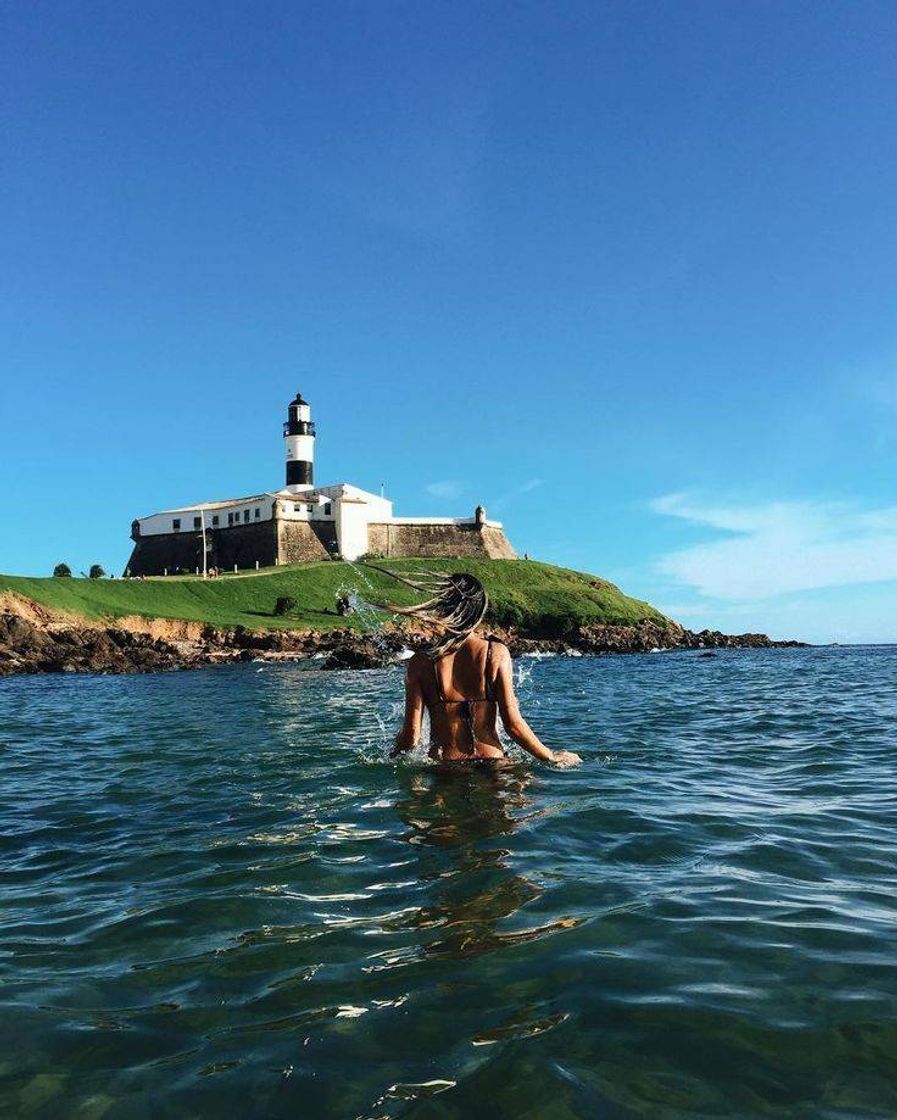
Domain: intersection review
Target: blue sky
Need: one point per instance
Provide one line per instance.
(623, 272)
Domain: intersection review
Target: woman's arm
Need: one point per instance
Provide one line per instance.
(408, 737)
(514, 723)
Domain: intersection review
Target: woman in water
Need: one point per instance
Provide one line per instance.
(464, 681)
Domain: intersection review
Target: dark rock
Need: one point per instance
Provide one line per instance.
(28, 648)
(353, 650)
(36, 646)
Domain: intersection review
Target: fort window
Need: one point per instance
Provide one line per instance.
(258, 512)
(230, 519)
(176, 524)
(215, 519)
(197, 523)
(245, 514)
(327, 508)
(311, 509)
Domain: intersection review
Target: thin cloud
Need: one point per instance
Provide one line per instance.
(524, 488)
(447, 488)
(780, 548)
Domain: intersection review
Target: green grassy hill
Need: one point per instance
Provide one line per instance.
(522, 592)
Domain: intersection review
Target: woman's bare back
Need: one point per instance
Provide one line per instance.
(459, 695)
(464, 693)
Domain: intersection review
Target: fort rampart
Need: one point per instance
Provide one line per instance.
(396, 539)
(280, 541)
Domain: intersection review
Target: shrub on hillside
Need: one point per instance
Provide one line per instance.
(97, 571)
(62, 570)
(556, 624)
(508, 614)
(286, 604)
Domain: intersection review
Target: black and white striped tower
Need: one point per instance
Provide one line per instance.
(299, 439)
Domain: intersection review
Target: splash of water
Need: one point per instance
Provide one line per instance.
(388, 721)
(371, 618)
(523, 672)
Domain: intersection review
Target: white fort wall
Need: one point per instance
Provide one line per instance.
(240, 511)
(217, 515)
(320, 504)
(377, 506)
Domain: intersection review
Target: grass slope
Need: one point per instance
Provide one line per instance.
(522, 592)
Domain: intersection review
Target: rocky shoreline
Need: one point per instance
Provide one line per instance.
(34, 639)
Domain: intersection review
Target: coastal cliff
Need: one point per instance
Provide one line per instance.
(37, 639)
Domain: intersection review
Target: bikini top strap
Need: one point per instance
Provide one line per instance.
(439, 691)
(487, 680)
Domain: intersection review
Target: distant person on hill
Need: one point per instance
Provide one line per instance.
(464, 681)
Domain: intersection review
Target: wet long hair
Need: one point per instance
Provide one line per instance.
(456, 606)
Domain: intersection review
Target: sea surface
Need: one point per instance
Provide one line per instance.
(221, 899)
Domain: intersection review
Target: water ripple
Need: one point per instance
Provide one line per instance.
(221, 898)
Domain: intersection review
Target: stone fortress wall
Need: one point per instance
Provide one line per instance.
(242, 545)
(281, 541)
(300, 541)
(394, 539)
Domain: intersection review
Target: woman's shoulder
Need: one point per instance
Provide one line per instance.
(495, 640)
(495, 645)
(419, 660)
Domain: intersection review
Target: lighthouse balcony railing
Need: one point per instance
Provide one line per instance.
(298, 428)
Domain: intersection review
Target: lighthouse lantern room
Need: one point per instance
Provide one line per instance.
(299, 442)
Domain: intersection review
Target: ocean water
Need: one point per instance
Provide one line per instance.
(220, 899)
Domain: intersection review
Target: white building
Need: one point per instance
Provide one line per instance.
(302, 521)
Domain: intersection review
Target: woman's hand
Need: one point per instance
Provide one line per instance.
(565, 759)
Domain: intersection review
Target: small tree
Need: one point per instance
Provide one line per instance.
(286, 604)
(96, 571)
(62, 570)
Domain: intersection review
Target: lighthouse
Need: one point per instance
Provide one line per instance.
(299, 441)
(301, 523)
